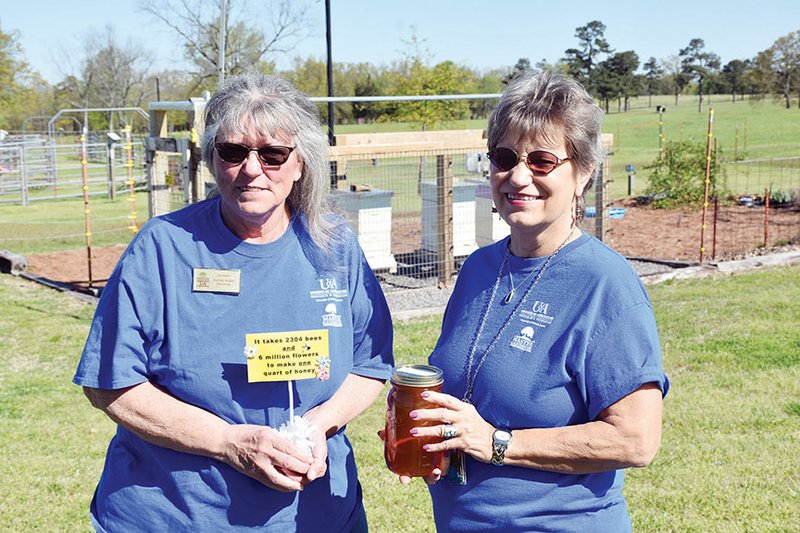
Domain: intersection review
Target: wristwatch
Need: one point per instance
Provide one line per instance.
(500, 441)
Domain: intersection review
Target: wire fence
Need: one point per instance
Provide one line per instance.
(397, 203)
(33, 170)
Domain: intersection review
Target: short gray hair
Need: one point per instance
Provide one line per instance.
(548, 104)
(274, 106)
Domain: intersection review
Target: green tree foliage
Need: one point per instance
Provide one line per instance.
(698, 63)
(760, 77)
(652, 73)
(489, 83)
(22, 91)
(616, 77)
(523, 64)
(734, 76)
(678, 179)
(785, 65)
(582, 61)
(418, 79)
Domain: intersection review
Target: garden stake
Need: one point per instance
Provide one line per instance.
(131, 188)
(767, 193)
(708, 181)
(86, 213)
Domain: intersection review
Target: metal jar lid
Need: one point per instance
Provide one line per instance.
(417, 376)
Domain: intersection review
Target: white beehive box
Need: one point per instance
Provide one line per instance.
(370, 215)
(463, 217)
(489, 227)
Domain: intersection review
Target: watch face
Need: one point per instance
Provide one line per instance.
(502, 436)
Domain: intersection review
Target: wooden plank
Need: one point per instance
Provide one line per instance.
(404, 148)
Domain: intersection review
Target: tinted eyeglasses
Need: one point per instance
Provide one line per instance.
(272, 154)
(540, 162)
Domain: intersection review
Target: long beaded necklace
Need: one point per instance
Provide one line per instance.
(458, 466)
(473, 374)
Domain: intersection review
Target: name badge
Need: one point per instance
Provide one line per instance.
(216, 280)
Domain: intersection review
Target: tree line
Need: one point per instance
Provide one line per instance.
(109, 73)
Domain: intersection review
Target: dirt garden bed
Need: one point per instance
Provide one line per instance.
(643, 232)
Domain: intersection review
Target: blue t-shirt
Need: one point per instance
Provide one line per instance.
(150, 325)
(583, 338)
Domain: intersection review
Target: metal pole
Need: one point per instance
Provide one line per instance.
(23, 176)
(131, 184)
(86, 213)
(767, 193)
(222, 30)
(707, 182)
(331, 134)
(112, 193)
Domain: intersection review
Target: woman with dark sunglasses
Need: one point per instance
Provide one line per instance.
(549, 348)
(220, 314)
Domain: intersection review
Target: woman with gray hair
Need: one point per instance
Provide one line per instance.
(223, 320)
(549, 348)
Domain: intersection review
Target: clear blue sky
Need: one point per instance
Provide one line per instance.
(481, 34)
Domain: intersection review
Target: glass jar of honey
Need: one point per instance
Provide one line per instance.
(402, 450)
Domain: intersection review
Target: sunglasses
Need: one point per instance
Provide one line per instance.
(540, 162)
(271, 155)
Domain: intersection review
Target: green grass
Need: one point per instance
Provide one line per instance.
(771, 131)
(58, 225)
(728, 462)
(766, 129)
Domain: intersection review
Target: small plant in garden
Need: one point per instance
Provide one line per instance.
(678, 179)
(780, 197)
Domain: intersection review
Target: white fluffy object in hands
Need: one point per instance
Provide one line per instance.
(298, 431)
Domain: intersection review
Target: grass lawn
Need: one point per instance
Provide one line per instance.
(752, 129)
(729, 459)
(58, 225)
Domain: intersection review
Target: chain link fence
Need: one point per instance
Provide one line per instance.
(32, 169)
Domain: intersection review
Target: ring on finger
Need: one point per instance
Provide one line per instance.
(449, 431)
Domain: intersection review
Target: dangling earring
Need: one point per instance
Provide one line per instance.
(580, 209)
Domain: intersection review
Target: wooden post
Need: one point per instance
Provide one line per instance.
(158, 199)
(602, 180)
(197, 170)
(444, 219)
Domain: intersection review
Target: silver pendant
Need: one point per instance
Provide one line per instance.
(509, 296)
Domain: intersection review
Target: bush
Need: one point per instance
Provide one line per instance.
(678, 179)
(780, 197)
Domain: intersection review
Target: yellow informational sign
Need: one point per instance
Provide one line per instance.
(290, 355)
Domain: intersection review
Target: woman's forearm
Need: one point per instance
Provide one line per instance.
(627, 434)
(159, 418)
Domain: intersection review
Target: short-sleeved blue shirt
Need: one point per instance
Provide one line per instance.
(150, 325)
(583, 338)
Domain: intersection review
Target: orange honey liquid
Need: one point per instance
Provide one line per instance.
(402, 450)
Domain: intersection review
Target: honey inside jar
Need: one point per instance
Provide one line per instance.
(402, 450)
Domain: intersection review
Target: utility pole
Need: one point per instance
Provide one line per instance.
(223, 26)
(331, 134)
